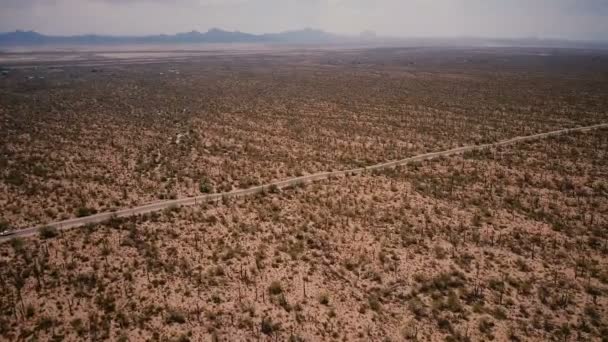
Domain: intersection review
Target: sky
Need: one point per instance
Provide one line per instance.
(569, 19)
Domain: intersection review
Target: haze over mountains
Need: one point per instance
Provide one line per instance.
(214, 35)
(304, 36)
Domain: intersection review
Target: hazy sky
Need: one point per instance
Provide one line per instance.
(579, 19)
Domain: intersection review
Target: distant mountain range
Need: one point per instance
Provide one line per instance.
(29, 38)
(305, 36)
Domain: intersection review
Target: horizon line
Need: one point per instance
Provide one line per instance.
(311, 29)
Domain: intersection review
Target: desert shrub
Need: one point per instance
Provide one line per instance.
(522, 265)
(497, 285)
(284, 303)
(30, 311)
(418, 308)
(86, 280)
(204, 186)
(14, 178)
(78, 326)
(444, 324)
(183, 338)
(486, 325)
(268, 327)
(331, 313)
(499, 313)
(17, 244)
(122, 338)
(410, 331)
(275, 288)
(592, 313)
(175, 316)
(374, 303)
(563, 332)
(4, 325)
(45, 323)
(453, 303)
(218, 271)
(106, 303)
(48, 232)
(324, 299)
(457, 336)
(443, 282)
(85, 211)
(295, 338)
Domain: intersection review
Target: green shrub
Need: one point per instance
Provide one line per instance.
(14, 178)
(84, 211)
(204, 186)
(17, 244)
(48, 232)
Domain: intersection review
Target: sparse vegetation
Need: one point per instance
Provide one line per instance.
(48, 232)
(504, 243)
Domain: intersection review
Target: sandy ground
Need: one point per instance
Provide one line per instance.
(489, 246)
(78, 139)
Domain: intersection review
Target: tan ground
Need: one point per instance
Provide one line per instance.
(74, 140)
(505, 244)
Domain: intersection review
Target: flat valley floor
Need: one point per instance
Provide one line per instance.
(507, 243)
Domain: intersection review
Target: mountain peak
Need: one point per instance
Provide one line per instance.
(216, 30)
(213, 35)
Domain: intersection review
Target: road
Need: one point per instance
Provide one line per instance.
(160, 205)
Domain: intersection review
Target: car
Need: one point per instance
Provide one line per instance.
(6, 233)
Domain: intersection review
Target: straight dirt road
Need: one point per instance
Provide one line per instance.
(161, 205)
